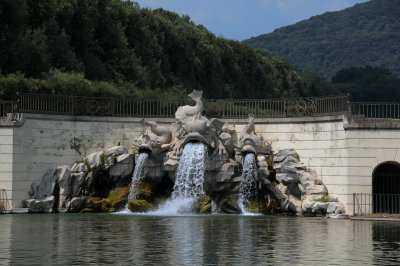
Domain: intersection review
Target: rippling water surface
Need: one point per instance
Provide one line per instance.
(194, 240)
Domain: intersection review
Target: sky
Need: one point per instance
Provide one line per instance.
(243, 19)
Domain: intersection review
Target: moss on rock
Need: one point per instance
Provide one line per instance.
(89, 210)
(93, 203)
(116, 200)
(144, 190)
(257, 207)
(229, 205)
(137, 205)
(205, 204)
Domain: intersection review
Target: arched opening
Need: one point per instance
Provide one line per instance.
(386, 188)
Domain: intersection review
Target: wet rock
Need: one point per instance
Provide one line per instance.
(301, 189)
(93, 160)
(289, 165)
(110, 161)
(316, 189)
(262, 173)
(287, 178)
(64, 175)
(76, 182)
(229, 205)
(90, 179)
(79, 167)
(295, 205)
(206, 205)
(43, 205)
(294, 190)
(123, 167)
(171, 165)
(226, 173)
(307, 179)
(76, 204)
(136, 205)
(46, 185)
(312, 197)
(335, 207)
(320, 207)
(256, 207)
(281, 154)
(202, 205)
(307, 206)
(116, 151)
(94, 204)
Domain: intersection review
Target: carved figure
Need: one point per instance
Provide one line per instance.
(163, 133)
(188, 110)
(249, 141)
(156, 141)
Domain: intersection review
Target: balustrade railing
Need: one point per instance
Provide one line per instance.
(261, 108)
(97, 106)
(376, 110)
(9, 111)
(285, 107)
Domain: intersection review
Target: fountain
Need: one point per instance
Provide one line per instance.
(190, 172)
(195, 165)
(202, 161)
(138, 174)
(247, 187)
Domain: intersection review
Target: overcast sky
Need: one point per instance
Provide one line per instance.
(242, 19)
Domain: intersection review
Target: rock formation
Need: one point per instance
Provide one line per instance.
(66, 188)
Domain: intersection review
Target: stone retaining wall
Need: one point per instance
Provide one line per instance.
(343, 155)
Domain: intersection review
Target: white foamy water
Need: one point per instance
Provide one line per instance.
(189, 181)
(247, 187)
(138, 174)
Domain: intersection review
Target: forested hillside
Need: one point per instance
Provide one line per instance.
(365, 34)
(368, 84)
(116, 48)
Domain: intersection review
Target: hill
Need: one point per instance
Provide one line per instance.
(116, 48)
(365, 34)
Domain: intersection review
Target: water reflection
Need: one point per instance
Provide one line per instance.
(198, 240)
(386, 241)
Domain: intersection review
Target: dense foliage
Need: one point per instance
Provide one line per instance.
(368, 84)
(114, 47)
(365, 34)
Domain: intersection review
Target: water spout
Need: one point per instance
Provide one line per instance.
(189, 181)
(138, 174)
(247, 187)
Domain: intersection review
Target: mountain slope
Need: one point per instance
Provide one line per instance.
(365, 34)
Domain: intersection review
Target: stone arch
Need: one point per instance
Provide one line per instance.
(386, 188)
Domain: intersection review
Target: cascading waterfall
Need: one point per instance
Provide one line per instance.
(189, 180)
(247, 187)
(190, 173)
(138, 174)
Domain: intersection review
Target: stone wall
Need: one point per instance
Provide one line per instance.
(343, 155)
(321, 144)
(6, 158)
(39, 142)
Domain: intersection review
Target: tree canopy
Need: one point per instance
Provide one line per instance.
(114, 47)
(368, 84)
